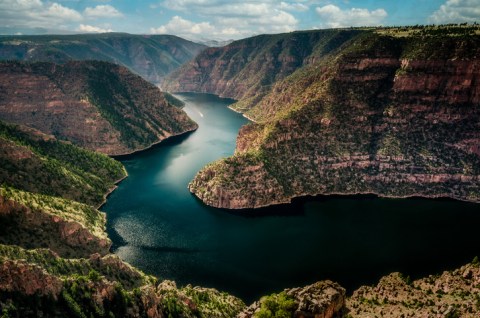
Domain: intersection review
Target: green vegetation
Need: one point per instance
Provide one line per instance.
(68, 210)
(197, 302)
(37, 163)
(127, 290)
(172, 100)
(475, 261)
(276, 306)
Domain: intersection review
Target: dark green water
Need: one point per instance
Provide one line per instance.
(158, 226)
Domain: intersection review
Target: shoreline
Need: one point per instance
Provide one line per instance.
(243, 114)
(313, 197)
(110, 191)
(135, 152)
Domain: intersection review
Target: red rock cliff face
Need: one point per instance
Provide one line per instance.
(374, 121)
(96, 105)
(246, 69)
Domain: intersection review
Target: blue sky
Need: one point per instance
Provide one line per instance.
(222, 19)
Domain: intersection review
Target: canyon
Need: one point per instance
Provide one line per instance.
(386, 111)
(362, 112)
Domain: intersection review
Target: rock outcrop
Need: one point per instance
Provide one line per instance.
(392, 116)
(451, 294)
(323, 299)
(96, 105)
(150, 56)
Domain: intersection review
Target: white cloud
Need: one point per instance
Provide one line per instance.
(457, 11)
(296, 6)
(102, 11)
(231, 19)
(56, 10)
(36, 14)
(92, 29)
(334, 17)
(180, 26)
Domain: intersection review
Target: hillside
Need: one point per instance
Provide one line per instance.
(96, 105)
(66, 227)
(150, 56)
(394, 112)
(39, 163)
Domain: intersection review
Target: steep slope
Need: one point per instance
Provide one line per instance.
(453, 293)
(66, 227)
(96, 105)
(449, 294)
(39, 163)
(150, 56)
(393, 115)
(246, 69)
(40, 283)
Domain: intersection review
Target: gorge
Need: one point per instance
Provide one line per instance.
(158, 226)
(393, 112)
(345, 125)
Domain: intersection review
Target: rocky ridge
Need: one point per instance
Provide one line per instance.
(96, 105)
(450, 294)
(395, 116)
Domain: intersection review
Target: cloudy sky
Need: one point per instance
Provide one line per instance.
(223, 19)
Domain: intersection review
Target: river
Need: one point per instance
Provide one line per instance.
(159, 227)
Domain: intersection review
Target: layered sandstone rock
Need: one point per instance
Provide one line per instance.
(95, 105)
(245, 69)
(396, 117)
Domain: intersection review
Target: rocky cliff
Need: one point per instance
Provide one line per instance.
(96, 105)
(38, 282)
(246, 69)
(150, 56)
(391, 113)
(453, 293)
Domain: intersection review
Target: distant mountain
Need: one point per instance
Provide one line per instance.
(96, 105)
(150, 56)
(389, 111)
(214, 43)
